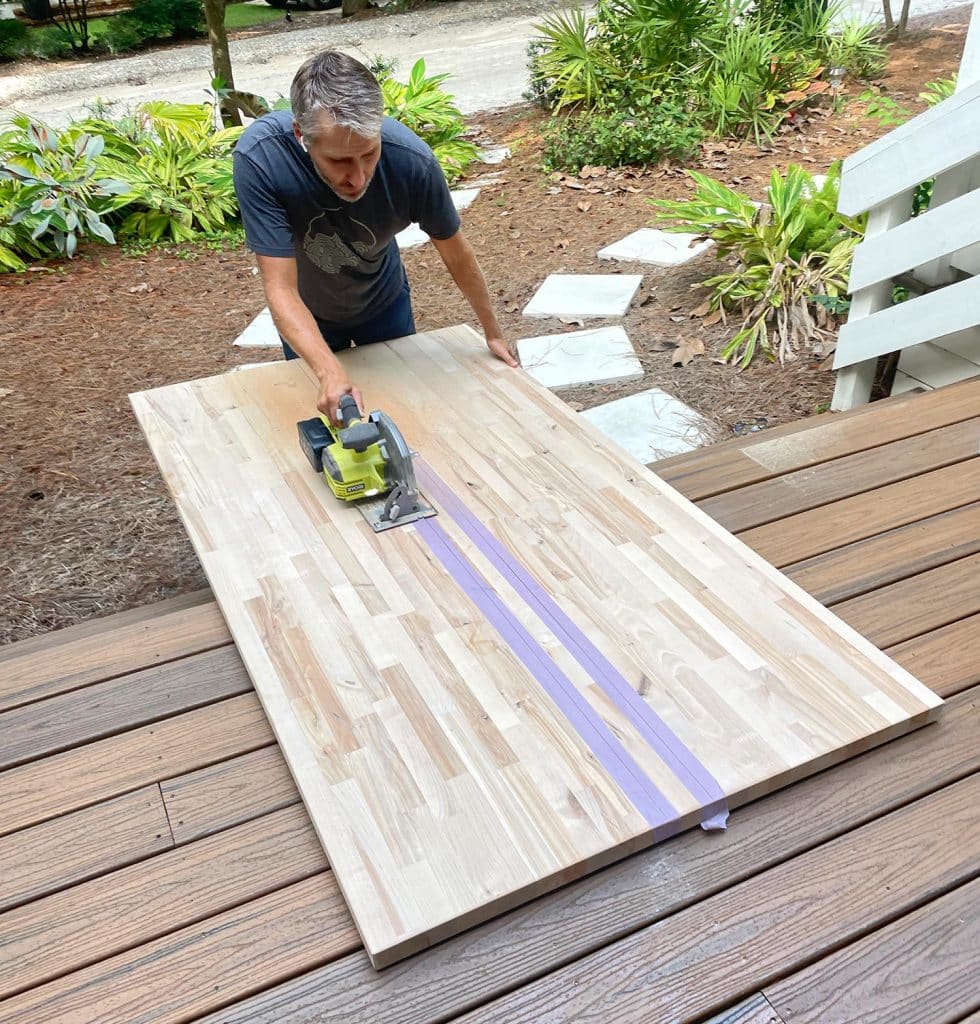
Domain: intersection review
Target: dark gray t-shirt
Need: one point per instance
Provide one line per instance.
(347, 259)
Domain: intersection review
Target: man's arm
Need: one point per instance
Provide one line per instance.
(460, 260)
(295, 323)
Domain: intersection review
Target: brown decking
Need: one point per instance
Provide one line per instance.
(156, 864)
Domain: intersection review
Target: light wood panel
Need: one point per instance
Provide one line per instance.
(444, 775)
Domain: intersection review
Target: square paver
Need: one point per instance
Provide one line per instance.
(580, 357)
(414, 236)
(260, 333)
(584, 295)
(651, 425)
(661, 248)
(494, 155)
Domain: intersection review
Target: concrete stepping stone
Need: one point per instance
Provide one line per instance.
(580, 357)
(494, 155)
(661, 248)
(414, 236)
(651, 425)
(584, 295)
(260, 333)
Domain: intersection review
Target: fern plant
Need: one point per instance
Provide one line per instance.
(785, 253)
(428, 110)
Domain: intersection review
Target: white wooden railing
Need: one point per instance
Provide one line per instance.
(937, 253)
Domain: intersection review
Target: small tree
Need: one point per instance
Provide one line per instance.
(71, 17)
(891, 28)
(214, 13)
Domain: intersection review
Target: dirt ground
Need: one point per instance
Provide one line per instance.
(86, 525)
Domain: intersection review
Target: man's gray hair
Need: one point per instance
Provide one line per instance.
(341, 88)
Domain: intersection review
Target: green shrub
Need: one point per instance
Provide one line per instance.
(122, 34)
(49, 44)
(13, 39)
(744, 65)
(60, 195)
(785, 255)
(168, 19)
(937, 91)
(647, 131)
(178, 167)
(855, 45)
(424, 107)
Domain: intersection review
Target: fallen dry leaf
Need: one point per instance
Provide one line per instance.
(585, 205)
(703, 310)
(713, 318)
(687, 350)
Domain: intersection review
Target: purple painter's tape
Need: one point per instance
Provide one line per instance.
(692, 773)
(659, 813)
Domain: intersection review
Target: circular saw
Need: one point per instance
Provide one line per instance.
(366, 461)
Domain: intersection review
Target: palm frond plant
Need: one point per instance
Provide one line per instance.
(179, 169)
(422, 105)
(785, 255)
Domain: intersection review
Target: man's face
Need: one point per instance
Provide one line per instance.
(345, 161)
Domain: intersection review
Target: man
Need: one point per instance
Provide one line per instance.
(323, 191)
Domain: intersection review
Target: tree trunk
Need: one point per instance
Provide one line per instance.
(903, 22)
(886, 8)
(349, 7)
(214, 12)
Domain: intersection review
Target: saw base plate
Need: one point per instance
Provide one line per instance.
(373, 509)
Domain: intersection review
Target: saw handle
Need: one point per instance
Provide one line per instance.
(357, 434)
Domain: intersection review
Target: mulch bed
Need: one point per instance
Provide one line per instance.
(86, 525)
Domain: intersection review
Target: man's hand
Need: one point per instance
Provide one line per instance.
(333, 387)
(504, 350)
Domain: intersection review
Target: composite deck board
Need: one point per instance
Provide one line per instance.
(106, 627)
(812, 533)
(754, 1010)
(70, 849)
(572, 922)
(922, 967)
(435, 759)
(56, 663)
(866, 565)
(917, 605)
(948, 659)
(103, 709)
(199, 968)
(228, 793)
(289, 957)
(92, 921)
(86, 775)
(686, 966)
(809, 442)
(828, 482)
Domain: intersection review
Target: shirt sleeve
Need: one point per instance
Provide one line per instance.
(436, 214)
(267, 228)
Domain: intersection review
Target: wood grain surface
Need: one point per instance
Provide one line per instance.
(445, 784)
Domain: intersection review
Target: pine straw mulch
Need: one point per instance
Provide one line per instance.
(86, 525)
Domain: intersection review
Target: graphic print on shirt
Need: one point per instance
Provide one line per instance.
(331, 253)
